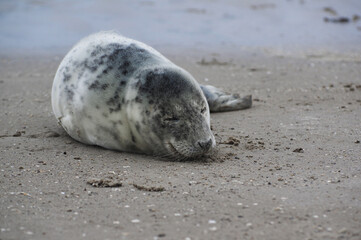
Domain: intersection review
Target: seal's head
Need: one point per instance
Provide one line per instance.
(174, 112)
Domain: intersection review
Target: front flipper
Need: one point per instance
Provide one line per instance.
(220, 101)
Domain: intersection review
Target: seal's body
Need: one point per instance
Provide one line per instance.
(121, 94)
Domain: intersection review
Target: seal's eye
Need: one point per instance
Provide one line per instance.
(203, 110)
(171, 119)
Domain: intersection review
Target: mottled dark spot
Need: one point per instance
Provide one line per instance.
(94, 85)
(69, 94)
(80, 75)
(91, 66)
(124, 72)
(96, 51)
(116, 109)
(137, 126)
(66, 77)
(138, 99)
(105, 86)
(133, 138)
(138, 84)
(113, 100)
(124, 66)
(97, 106)
(151, 101)
(117, 75)
(122, 83)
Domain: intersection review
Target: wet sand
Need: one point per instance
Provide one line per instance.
(288, 168)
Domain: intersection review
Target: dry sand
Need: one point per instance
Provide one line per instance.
(288, 168)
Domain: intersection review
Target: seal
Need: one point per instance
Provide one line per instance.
(121, 94)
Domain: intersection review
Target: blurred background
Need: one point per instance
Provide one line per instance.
(56, 25)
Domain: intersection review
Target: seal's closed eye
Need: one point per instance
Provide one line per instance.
(171, 119)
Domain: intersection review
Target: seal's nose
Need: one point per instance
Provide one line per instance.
(205, 145)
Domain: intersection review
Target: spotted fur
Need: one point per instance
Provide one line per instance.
(121, 94)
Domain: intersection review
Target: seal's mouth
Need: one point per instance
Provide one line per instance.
(173, 150)
(180, 156)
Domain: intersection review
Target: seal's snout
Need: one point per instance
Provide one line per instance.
(205, 145)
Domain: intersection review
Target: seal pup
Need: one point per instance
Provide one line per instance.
(121, 94)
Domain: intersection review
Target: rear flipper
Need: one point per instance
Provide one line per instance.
(220, 101)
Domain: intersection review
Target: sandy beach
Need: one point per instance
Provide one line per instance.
(287, 168)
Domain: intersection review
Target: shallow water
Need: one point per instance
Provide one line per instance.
(56, 25)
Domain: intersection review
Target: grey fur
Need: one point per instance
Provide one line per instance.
(121, 94)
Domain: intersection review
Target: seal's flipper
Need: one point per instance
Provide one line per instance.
(220, 101)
